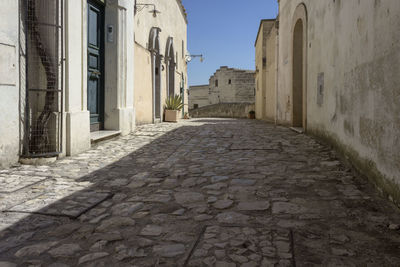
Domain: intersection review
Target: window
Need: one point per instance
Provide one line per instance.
(216, 83)
(196, 106)
(229, 82)
(264, 62)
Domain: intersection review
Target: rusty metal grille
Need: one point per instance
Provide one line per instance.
(44, 76)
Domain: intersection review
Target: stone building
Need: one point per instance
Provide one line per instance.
(226, 85)
(64, 75)
(265, 45)
(338, 79)
(160, 57)
(198, 96)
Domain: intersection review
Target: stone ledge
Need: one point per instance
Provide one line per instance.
(99, 136)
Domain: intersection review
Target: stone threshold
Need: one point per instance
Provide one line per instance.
(99, 136)
(299, 130)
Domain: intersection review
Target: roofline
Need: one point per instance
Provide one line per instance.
(259, 28)
(203, 85)
(183, 10)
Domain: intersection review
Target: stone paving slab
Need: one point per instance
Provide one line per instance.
(248, 246)
(61, 203)
(12, 183)
(179, 195)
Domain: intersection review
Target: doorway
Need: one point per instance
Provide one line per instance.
(95, 62)
(298, 111)
(156, 68)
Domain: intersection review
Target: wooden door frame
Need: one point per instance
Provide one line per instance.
(101, 7)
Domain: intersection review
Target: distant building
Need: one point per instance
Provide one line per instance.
(198, 96)
(227, 85)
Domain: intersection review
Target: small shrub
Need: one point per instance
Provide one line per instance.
(174, 103)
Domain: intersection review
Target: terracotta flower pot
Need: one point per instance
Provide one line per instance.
(171, 115)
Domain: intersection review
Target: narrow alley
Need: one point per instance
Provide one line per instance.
(202, 192)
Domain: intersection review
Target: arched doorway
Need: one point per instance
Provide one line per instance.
(154, 47)
(170, 62)
(299, 82)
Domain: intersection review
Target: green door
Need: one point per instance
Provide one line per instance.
(95, 87)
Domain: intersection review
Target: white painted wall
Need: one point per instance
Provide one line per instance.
(77, 130)
(9, 83)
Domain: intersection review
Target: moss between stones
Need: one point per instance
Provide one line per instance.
(365, 167)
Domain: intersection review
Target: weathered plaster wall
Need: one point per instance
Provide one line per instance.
(9, 83)
(261, 70)
(223, 110)
(172, 23)
(266, 71)
(353, 51)
(270, 93)
(198, 95)
(241, 87)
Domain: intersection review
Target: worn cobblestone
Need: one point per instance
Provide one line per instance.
(204, 192)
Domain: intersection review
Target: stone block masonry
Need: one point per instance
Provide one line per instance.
(226, 85)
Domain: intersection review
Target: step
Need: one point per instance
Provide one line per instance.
(99, 136)
(299, 130)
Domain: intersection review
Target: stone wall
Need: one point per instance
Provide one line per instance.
(223, 110)
(351, 92)
(229, 85)
(198, 96)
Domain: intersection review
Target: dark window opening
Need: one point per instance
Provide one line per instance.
(196, 106)
(230, 81)
(216, 83)
(264, 62)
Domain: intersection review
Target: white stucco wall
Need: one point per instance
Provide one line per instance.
(77, 130)
(172, 23)
(9, 83)
(356, 45)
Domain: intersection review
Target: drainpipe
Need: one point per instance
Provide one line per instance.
(277, 71)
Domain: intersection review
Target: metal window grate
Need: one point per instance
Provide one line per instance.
(44, 94)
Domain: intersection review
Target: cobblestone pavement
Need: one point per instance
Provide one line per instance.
(205, 192)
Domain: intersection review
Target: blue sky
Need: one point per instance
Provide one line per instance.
(224, 31)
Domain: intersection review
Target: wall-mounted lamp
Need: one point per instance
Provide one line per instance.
(139, 7)
(189, 57)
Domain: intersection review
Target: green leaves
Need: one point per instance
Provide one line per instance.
(174, 103)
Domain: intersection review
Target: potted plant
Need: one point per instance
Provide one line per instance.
(173, 105)
(252, 114)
